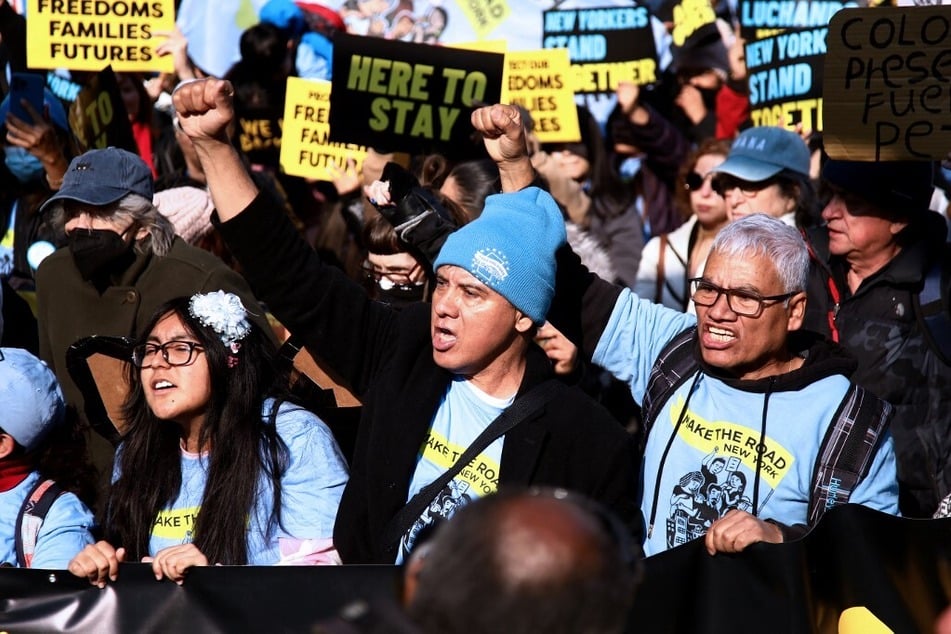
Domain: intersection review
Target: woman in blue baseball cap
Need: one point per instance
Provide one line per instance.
(767, 171)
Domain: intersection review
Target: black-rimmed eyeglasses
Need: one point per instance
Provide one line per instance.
(174, 352)
(745, 303)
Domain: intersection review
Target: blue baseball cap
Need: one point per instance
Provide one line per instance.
(32, 399)
(760, 153)
(102, 177)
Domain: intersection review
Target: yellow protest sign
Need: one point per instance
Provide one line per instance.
(305, 148)
(886, 90)
(540, 82)
(93, 34)
(485, 15)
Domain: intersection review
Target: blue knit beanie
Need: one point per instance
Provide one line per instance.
(511, 248)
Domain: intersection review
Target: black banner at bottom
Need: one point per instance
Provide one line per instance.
(858, 567)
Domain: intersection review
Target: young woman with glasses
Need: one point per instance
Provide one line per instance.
(670, 259)
(215, 465)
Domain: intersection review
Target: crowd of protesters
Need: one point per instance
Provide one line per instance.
(680, 327)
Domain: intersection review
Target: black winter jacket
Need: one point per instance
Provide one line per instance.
(387, 358)
(878, 326)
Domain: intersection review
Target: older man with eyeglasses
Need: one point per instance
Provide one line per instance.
(739, 383)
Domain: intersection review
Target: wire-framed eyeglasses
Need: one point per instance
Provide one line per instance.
(174, 352)
(741, 302)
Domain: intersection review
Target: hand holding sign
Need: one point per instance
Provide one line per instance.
(205, 107)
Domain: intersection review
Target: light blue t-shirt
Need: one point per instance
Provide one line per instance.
(65, 531)
(311, 489)
(464, 412)
(711, 466)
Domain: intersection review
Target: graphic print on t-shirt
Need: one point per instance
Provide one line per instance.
(724, 474)
(480, 477)
(176, 525)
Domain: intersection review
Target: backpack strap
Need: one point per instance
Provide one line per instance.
(661, 275)
(674, 365)
(30, 519)
(931, 309)
(845, 455)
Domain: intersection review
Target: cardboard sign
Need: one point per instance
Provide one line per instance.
(888, 84)
(606, 45)
(408, 97)
(785, 78)
(98, 116)
(540, 82)
(306, 149)
(91, 34)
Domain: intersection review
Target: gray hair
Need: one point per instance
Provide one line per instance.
(132, 209)
(780, 243)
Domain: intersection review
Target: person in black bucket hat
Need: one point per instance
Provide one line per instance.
(879, 287)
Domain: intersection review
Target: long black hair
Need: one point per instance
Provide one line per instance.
(243, 449)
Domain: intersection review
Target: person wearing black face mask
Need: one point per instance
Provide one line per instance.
(121, 262)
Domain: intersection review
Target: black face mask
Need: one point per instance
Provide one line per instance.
(99, 252)
(401, 296)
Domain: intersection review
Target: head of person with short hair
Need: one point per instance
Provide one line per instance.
(751, 296)
(495, 279)
(767, 171)
(105, 209)
(525, 561)
(875, 209)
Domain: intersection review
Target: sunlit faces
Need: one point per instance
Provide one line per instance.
(744, 198)
(747, 347)
(176, 393)
(857, 229)
(709, 206)
(473, 327)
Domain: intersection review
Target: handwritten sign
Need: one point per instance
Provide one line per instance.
(306, 149)
(92, 34)
(888, 84)
(403, 96)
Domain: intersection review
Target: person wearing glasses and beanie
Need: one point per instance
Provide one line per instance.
(236, 473)
(738, 386)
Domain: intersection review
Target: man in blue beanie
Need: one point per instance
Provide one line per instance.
(432, 378)
(879, 286)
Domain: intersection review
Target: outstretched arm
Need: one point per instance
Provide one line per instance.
(205, 108)
(504, 136)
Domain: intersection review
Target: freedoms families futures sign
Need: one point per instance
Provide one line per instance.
(93, 34)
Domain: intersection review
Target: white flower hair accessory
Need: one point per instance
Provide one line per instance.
(224, 313)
